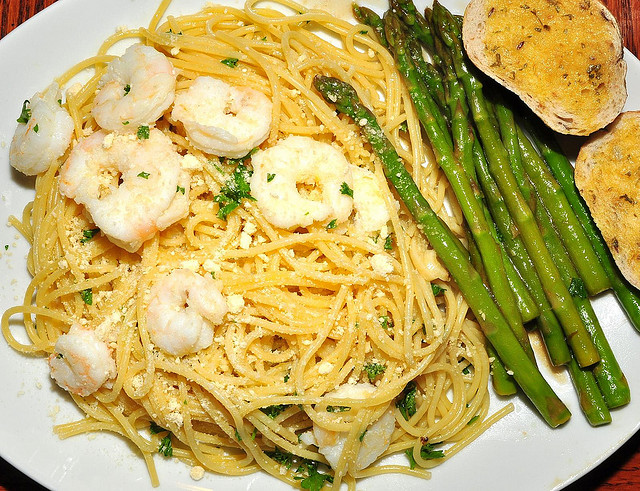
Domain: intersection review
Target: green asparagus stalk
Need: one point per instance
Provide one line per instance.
(612, 382)
(490, 318)
(407, 11)
(627, 295)
(573, 236)
(592, 403)
(369, 18)
(509, 134)
(503, 383)
(464, 143)
(459, 181)
(557, 293)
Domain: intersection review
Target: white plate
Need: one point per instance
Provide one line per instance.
(518, 451)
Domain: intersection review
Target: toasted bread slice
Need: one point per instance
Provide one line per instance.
(563, 58)
(607, 175)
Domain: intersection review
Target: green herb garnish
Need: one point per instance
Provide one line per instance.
(155, 428)
(338, 409)
(437, 289)
(345, 189)
(406, 402)
(87, 296)
(230, 62)
(388, 242)
(180, 189)
(373, 370)
(275, 410)
(144, 175)
(270, 177)
(332, 224)
(25, 114)
(234, 190)
(143, 133)
(165, 447)
(127, 89)
(87, 235)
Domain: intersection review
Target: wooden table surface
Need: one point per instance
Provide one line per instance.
(619, 472)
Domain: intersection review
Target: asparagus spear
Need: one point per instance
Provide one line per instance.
(460, 183)
(464, 143)
(369, 18)
(503, 383)
(612, 382)
(591, 401)
(627, 295)
(573, 236)
(489, 316)
(412, 17)
(556, 291)
(547, 321)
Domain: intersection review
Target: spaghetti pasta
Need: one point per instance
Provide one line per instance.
(310, 309)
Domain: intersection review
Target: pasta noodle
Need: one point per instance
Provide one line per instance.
(310, 309)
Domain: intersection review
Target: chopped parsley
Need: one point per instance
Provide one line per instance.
(36, 128)
(406, 402)
(361, 437)
(345, 189)
(180, 189)
(404, 127)
(275, 410)
(89, 234)
(127, 89)
(427, 452)
(473, 420)
(144, 175)
(373, 370)
(270, 177)
(315, 480)
(25, 114)
(155, 428)
(388, 242)
(577, 288)
(143, 133)
(238, 437)
(338, 409)
(6, 247)
(466, 370)
(386, 322)
(332, 224)
(87, 296)
(286, 378)
(437, 289)
(309, 476)
(234, 190)
(59, 102)
(59, 356)
(230, 62)
(165, 447)
(281, 457)
(364, 31)
(125, 123)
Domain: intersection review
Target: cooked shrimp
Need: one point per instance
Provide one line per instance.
(135, 90)
(45, 135)
(300, 181)
(374, 442)
(81, 362)
(221, 119)
(132, 188)
(371, 209)
(183, 308)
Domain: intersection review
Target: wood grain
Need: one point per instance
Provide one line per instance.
(620, 472)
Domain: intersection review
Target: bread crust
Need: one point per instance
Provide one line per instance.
(563, 58)
(607, 175)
